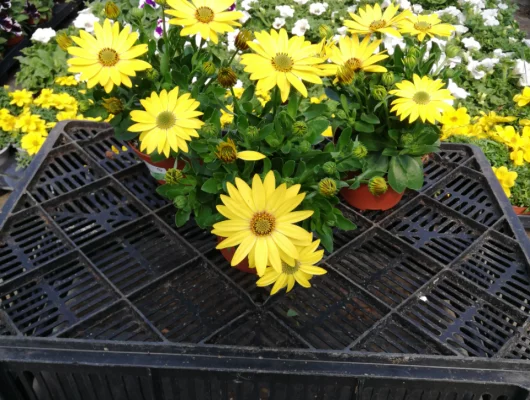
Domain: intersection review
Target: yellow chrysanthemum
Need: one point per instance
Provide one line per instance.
(32, 142)
(204, 17)
(21, 98)
(355, 56)
(423, 25)
(373, 19)
(261, 222)
(45, 99)
(506, 179)
(167, 123)
(109, 58)
(66, 81)
(8, 122)
(227, 153)
(423, 98)
(523, 98)
(282, 61)
(300, 270)
(30, 123)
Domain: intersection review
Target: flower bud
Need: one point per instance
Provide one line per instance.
(112, 11)
(407, 139)
(152, 74)
(226, 151)
(331, 223)
(253, 132)
(274, 143)
(226, 77)
(330, 168)
(242, 38)
(305, 146)
(327, 187)
(288, 181)
(452, 50)
(113, 105)
(449, 73)
(209, 130)
(377, 186)
(63, 40)
(341, 114)
(359, 150)
(325, 31)
(387, 79)
(180, 202)
(137, 13)
(173, 176)
(84, 105)
(410, 62)
(299, 128)
(379, 92)
(209, 68)
(414, 51)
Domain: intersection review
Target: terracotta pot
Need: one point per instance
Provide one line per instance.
(14, 40)
(520, 210)
(158, 167)
(362, 199)
(228, 254)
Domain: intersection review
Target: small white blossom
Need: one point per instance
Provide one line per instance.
(500, 54)
(390, 42)
(476, 5)
(417, 9)
(456, 91)
(522, 68)
(318, 8)
(43, 35)
(278, 23)
(460, 29)
(471, 44)
(352, 9)
(527, 42)
(454, 12)
(85, 21)
(502, 6)
(490, 17)
(245, 17)
(247, 4)
(285, 11)
(343, 31)
(231, 40)
(300, 27)
(403, 4)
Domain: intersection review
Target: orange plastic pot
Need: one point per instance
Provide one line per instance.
(158, 167)
(228, 254)
(14, 40)
(362, 199)
(520, 210)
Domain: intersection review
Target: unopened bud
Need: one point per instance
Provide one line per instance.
(325, 31)
(379, 92)
(327, 187)
(377, 186)
(243, 37)
(112, 11)
(410, 62)
(330, 168)
(387, 79)
(299, 128)
(209, 68)
(226, 77)
(359, 150)
(305, 146)
(173, 176)
(180, 202)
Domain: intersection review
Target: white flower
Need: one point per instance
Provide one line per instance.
(527, 42)
(390, 42)
(417, 9)
(454, 12)
(318, 8)
(301, 2)
(300, 27)
(343, 31)
(522, 68)
(285, 11)
(490, 17)
(278, 22)
(403, 4)
(352, 9)
(502, 6)
(471, 44)
(85, 11)
(43, 35)
(245, 17)
(460, 29)
(238, 85)
(473, 68)
(476, 5)
(85, 21)
(231, 40)
(77, 77)
(247, 4)
(456, 91)
(489, 63)
(500, 54)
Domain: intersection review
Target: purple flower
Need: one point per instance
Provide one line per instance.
(8, 24)
(5, 5)
(148, 2)
(232, 7)
(31, 10)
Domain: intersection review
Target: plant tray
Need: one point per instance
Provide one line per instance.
(102, 297)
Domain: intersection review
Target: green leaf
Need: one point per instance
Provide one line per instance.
(315, 110)
(414, 171)
(182, 217)
(326, 237)
(344, 223)
(370, 118)
(248, 94)
(344, 103)
(210, 186)
(288, 168)
(291, 313)
(199, 146)
(361, 126)
(397, 176)
(345, 138)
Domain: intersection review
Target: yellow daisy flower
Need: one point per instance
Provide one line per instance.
(423, 98)
(29, 123)
(109, 58)
(300, 271)
(227, 117)
(373, 19)
(455, 118)
(422, 25)
(45, 99)
(204, 17)
(21, 98)
(355, 56)
(261, 222)
(32, 142)
(8, 122)
(66, 81)
(168, 122)
(227, 153)
(523, 98)
(506, 179)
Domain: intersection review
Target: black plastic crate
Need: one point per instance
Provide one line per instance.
(103, 297)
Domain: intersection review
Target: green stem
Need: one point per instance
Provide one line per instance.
(276, 95)
(234, 99)
(232, 58)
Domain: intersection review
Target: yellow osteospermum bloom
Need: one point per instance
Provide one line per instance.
(506, 179)
(32, 142)
(66, 81)
(301, 270)
(109, 57)
(21, 98)
(355, 56)
(372, 19)
(261, 222)
(423, 98)
(523, 98)
(282, 61)
(204, 17)
(227, 153)
(168, 122)
(422, 25)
